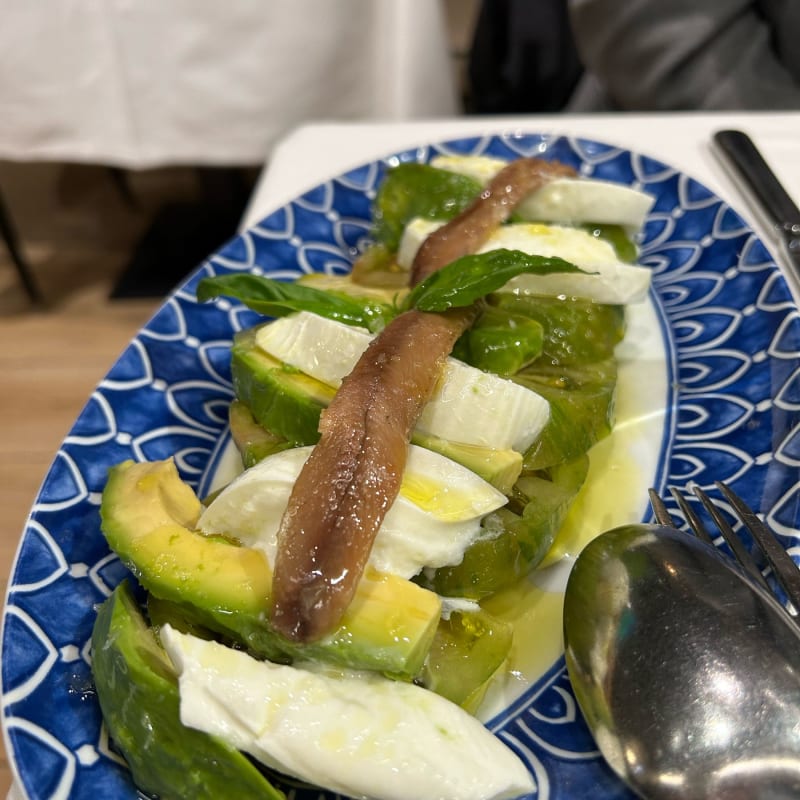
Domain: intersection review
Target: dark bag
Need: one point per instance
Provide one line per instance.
(522, 58)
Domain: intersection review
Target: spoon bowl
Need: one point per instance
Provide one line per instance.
(688, 674)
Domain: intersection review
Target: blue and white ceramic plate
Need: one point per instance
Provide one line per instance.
(727, 336)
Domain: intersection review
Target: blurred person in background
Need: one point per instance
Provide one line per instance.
(634, 55)
(686, 54)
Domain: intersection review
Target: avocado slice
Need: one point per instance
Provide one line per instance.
(517, 537)
(284, 400)
(470, 647)
(253, 441)
(288, 403)
(138, 694)
(149, 517)
(500, 467)
(582, 400)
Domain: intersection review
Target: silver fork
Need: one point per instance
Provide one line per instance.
(784, 569)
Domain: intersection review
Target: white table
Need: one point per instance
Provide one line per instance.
(317, 151)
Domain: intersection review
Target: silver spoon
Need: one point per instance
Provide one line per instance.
(688, 674)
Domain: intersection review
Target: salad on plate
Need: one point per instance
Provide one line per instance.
(409, 439)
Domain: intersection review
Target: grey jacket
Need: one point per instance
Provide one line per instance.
(687, 54)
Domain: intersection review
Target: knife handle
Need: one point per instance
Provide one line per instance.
(746, 158)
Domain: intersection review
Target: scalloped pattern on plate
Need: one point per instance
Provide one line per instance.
(733, 340)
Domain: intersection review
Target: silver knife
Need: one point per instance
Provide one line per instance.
(781, 211)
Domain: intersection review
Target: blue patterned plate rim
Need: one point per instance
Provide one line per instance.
(732, 340)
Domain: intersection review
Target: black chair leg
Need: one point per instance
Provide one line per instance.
(9, 236)
(119, 177)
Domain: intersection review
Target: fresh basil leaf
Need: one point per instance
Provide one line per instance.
(471, 277)
(278, 298)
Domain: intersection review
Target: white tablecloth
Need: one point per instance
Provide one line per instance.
(146, 83)
(318, 151)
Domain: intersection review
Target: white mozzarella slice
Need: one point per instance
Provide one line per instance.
(605, 280)
(565, 200)
(434, 519)
(507, 415)
(361, 735)
(322, 348)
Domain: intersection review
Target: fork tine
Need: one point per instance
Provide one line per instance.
(739, 550)
(660, 512)
(786, 571)
(695, 523)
